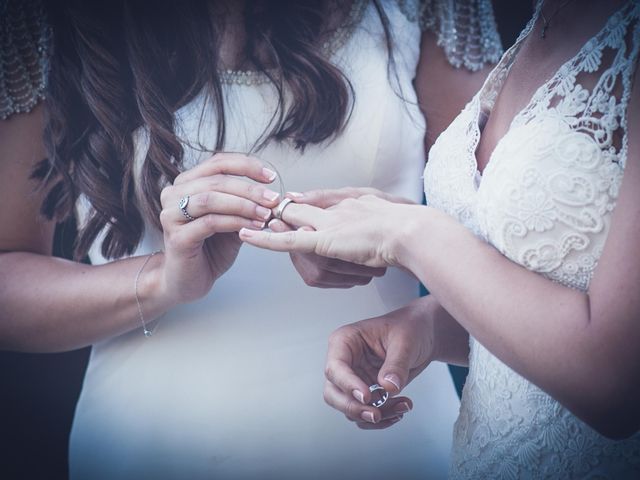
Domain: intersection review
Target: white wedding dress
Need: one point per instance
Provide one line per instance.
(545, 201)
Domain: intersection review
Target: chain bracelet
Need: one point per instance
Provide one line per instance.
(145, 330)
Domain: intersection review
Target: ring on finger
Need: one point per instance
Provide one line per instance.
(279, 210)
(184, 201)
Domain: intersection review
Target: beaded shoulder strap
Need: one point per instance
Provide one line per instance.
(25, 39)
(465, 29)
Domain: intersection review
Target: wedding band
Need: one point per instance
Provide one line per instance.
(383, 396)
(184, 201)
(280, 208)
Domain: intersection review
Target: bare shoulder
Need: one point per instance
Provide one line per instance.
(443, 90)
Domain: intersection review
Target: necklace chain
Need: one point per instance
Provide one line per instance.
(546, 22)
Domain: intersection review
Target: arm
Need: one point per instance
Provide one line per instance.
(49, 304)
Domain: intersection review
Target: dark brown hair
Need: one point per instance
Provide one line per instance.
(122, 64)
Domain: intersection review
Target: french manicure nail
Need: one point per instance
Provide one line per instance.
(393, 378)
(269, 174)
(367, 416)
(402, 407)
(245, 232)
(270, 195)
(258, 224)
(358, 395)
(263, 212)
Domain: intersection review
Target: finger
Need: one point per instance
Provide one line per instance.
(394, 372)
(229, 164)
(225, 184)
(324, 197)
(338, 368)
(327, 279)
(303, 215)
(279, 226)
(218, 203)
(347, 268)
(379, 426)
(295, 241)
(396, 406)
(192, 234)
(347, 404)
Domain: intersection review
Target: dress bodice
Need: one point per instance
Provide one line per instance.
(545, 201)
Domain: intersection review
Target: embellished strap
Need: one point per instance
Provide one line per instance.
(25, 39)
(466, 29)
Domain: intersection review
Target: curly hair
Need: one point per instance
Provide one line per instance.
(120, 65)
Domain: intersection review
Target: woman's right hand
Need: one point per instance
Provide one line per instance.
(197, 252)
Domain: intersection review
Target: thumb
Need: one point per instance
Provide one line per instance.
(394, 373)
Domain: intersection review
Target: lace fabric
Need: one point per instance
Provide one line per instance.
(545, 201)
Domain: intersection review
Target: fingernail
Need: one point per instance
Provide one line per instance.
(367, 416)
(270, 195)
(269, 174)
(263, 212)
(295, 194)
(358, 395)
(393, 378)
(245, 232)
(402, 407)
(258, 224)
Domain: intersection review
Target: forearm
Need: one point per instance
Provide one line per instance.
(49, 304)
(539, 328)
(450, 339)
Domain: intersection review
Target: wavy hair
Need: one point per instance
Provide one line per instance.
(120, 65)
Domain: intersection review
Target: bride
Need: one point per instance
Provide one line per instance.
(206, 357)
(529, 246)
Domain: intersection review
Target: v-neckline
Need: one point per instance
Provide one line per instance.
(509, 58)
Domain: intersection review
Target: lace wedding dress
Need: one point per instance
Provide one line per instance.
(231, 386)
(545, 201)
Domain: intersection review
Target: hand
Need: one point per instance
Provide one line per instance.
(322, 272)
(367, 231)
(390, 350)
(198, 252)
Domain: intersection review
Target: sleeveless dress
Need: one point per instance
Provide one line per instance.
(545, 201)
(230, 387)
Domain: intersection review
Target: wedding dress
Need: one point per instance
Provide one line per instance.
(231, 386)
(545, 201)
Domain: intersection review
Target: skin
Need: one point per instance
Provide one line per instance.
(580, 348)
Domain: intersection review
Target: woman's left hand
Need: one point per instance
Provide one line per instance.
(363, 230)
(323, 272)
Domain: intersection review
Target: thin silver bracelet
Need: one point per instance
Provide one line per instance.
(145, 330)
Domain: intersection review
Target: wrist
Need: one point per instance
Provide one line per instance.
(152, 292)
(404, 241)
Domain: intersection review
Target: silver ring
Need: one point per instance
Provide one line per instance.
(383, 396)
(184, 201)
(280, 208)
